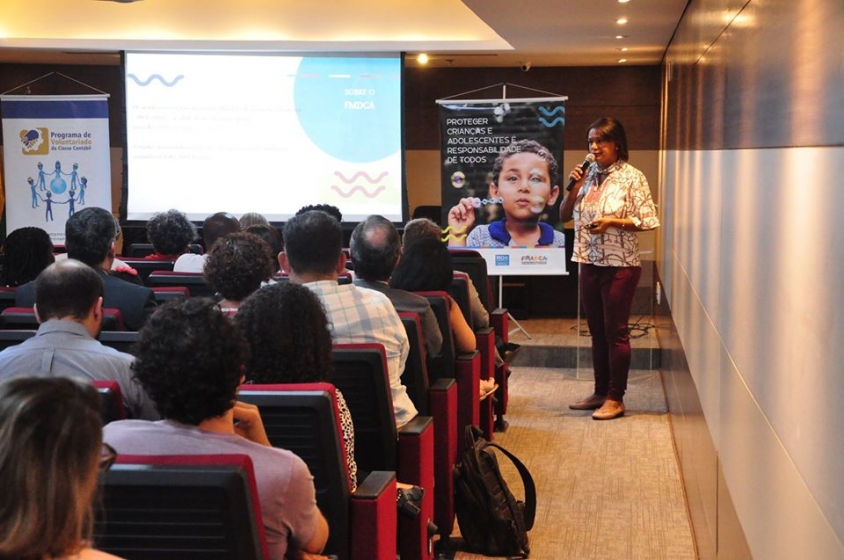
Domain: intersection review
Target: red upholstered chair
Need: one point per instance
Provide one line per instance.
(304, 419)
(181, 506)
(360, 372)
(111, 401)
(7, 297)
(147, 267)
(438, 400)
(465, 368)
(193, 281)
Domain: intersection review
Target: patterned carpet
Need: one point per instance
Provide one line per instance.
(605, 490)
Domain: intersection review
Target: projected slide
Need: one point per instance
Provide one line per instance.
(269, 134)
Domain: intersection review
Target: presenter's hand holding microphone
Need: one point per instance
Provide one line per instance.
(576, 177)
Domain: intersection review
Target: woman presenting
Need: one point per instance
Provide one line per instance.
(610, 201)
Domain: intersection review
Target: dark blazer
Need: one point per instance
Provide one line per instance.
(135, 302)
(405, 301)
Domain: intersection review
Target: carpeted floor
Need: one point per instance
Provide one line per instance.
(605, 489)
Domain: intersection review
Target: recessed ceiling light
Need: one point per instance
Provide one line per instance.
(623, 1)
(621, 20)
(422, 58)
(622, 60)
(621, 36)
(622, 49)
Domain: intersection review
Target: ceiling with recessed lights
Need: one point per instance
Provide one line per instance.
(451, 32)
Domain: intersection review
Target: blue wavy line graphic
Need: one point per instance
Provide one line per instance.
(356, 188)
(164, 82)
(558, 120)
(557, 109)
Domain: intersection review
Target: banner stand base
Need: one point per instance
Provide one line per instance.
(519, 327)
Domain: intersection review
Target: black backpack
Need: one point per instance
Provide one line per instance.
(491, 520)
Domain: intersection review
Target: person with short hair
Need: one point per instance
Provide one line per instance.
(90, 236)
(170, 233)
(69, 308)
(190, 360)
(26, 252)
(214, 227)
(237, 266)
(51, 453)
(273, 238)
(313, 256)
(329, 209)
(376, 249)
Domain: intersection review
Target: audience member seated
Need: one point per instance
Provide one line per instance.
(426, 267)
(376, 249)
(236, 267)
(214, 227)
(287, 331)
(69, 308)
(313, 256)
(423, 228)
(90, 235)
(271, 236)
(170, 233)
(27, 251)
(51, 452)
(329, 209)
(252, 219)
(190, 361)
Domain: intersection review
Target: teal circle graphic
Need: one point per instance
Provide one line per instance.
(350, 107)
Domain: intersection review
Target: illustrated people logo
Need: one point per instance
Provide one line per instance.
(57, 186)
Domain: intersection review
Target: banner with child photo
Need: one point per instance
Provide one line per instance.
(502, 182)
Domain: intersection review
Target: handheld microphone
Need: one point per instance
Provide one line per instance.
(586, 163)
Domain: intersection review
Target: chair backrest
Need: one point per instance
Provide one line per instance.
(459, 291)
(181, 506)
(415, 375)
(24, 318)
(7, 297)
(13, 337)
(111, 401)
(473, 264)
(444, 364)
(123, 341)
(194, 282)
(360, 372)
(304, 418)
(163, 294)
(140, 250)
(145, 267)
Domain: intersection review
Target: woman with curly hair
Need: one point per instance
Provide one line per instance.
(51, 452)
(287, 330)
(170, 233)
(190, 361)
(27, 251)
(237, 266)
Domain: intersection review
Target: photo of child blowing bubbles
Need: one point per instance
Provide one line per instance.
(525, 179)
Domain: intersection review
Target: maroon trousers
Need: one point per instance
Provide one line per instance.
(607, 296)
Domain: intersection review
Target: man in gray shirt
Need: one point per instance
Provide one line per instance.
(69, 307)
(376, 248)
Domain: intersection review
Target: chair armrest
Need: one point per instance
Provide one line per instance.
(499, 319)
(374, 520)
(468, 375)
(443, 406)
(416, 466)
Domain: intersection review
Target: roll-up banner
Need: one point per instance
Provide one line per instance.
(56, 159)
(502, 182)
